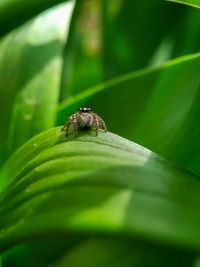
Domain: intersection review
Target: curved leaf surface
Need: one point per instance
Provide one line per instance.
(194, 3)
(110, 252)
(82, 67)
(89, 185)
(21, 11)
(156, 107)
(30, 63)
(142, 27)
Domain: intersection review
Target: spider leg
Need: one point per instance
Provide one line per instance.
(63, 128)
(67, 125)
(96, 123)
(103, 125)
(74, 122)
(71, 121)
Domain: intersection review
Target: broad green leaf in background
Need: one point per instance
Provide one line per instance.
(197, 263)
(186, 41)
(157, 32)
(38, 252)
(156, 107)
(82, 55)
(120, 253)
(133, 31)
(71, 186)
(15, 12)
(109, 38)
(194, 3)
(100, 201)
(30, 63)
(105, 39)
(185, 36)
(96, 252)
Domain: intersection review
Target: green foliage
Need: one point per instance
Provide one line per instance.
(14, 12)
(194, 3)
(31, 91)
(56, 189)
(136, 100)
(100, 201)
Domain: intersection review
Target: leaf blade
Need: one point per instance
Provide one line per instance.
(76, 193)
(22, 11)
(157, 106)
(29, 101)
(193, 3)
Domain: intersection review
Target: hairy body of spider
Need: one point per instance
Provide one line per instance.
(84, 118)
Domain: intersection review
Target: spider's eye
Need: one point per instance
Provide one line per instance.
(85, 109)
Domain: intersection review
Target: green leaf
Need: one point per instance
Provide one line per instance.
(82, 66)
(156, 107)
(31, 63)
(15, 12)
(89, 185)
(96, 51)
(37, 252)
(109, 252)
(187, 41)
(134, 30)
(194, 3)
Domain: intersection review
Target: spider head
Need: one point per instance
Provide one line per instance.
(85, 110)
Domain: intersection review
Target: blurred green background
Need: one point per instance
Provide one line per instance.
(136, 64)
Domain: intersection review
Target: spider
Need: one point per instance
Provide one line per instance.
(84, 118)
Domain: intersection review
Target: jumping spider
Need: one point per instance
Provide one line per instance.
(84, 118)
